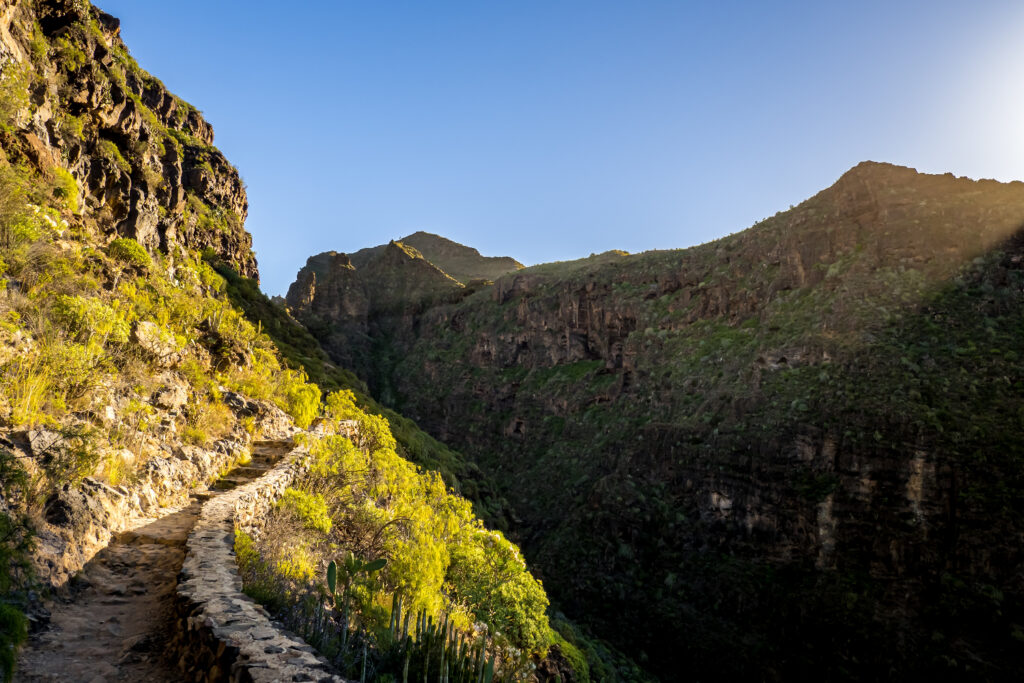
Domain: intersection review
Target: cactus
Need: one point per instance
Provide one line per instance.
(479, 664)
(332, 576)
(344, 626)
(396, 614)
(350, 567)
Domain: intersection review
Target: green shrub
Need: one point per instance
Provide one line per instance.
(211, 218)
(66, 188)
(127, 250)
(302, 401)
(308, 508)
(13, 94)
(75, 458)
(15, 544)
(13, 631)
(207, 419)
(341, 405)
(37, 45)
(493, 579)
(69, 55)
(112, 153)
(194, 436)
(577, 660)
(88, 318)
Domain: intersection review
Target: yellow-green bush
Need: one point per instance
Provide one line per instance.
(27, 386)
(309, 509)
(65, 188)
(14, 93)
(127, 250)
(341, 405)
(439, 556)
(302, 399)
(112, 153)
(89, 318)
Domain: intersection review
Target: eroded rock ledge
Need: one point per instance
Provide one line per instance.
(224, 635)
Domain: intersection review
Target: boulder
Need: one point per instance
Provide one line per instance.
(240, 405)
(44, 441)
(72, 508)
(157, 343)
(273, 424)
(171, 397)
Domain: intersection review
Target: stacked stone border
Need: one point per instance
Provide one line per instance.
(81, 521)
(223, 635)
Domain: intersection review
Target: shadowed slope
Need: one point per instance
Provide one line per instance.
(774, 450)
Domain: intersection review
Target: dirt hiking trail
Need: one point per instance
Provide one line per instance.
(117, 621)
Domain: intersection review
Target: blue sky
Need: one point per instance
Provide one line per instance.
(550, 129)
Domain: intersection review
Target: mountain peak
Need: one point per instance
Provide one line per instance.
(461, 262)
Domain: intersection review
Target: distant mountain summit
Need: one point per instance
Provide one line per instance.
(462, 263)
(397, 280)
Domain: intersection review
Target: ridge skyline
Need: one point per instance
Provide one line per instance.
(867, 163)
(614, 127)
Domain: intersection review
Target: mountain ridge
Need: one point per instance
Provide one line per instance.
(458, 261)
(702, 394)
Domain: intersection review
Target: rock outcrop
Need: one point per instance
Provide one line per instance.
(80, 520)
(347, 296)
(141, 161)
(792, 441)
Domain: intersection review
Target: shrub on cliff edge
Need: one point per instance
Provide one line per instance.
(127, 250)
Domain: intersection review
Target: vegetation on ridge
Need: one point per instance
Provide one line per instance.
(791, 450)
(302, 351)
(359, 496)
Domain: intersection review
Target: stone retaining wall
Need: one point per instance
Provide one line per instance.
(80, 521)
(223, 634)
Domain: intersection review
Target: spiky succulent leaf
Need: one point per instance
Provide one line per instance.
(332, 576)
(374, 565)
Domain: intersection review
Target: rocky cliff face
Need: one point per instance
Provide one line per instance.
(117, 342)
(353, 299)
(788, 451)
(141, 161)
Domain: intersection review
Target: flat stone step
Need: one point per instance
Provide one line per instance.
(158, 538)
(225, 483)
(250, 470)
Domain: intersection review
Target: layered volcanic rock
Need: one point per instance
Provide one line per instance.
(379, 291)
(141, 161)
(791, 451)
